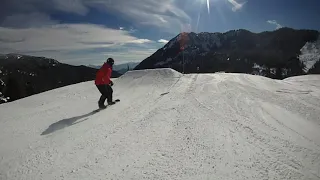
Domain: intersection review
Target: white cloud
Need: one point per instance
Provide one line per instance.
(63, 37)
(164, 14)
(97, 58)
(163, 41)
(75, 43)
(133, 30)
(140, 41)
(135, 55)
(162, 19)
(26, 27)
(274, 22)
(236, 5)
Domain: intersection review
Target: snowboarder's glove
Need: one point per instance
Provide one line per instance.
(111, 83)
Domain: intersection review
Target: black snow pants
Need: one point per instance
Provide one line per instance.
(106, 93)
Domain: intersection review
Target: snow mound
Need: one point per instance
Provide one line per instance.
(150, 77)
(308, 80)
(155, 73)
(167, 126)
(304, 78)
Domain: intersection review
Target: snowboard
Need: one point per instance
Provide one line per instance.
(117, 100)
(99, 109)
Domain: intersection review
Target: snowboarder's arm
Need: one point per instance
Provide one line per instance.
(107, 79)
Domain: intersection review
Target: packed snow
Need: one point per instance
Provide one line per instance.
(167, 126)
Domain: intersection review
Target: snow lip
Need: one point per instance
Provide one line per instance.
(159, 72)
(310, 77)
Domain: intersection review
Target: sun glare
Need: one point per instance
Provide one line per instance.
(207, 2)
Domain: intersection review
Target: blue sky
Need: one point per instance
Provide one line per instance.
(89, 31)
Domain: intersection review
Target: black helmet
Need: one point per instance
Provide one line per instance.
(110, 61)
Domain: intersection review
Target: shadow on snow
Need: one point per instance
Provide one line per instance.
(67, 122)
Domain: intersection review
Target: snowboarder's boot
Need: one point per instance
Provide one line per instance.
(102, 106)
(111, 103)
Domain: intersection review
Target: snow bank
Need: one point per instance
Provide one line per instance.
(149, 77)
(154, 73)
(304, 78)
(309, 81)
(167, 126)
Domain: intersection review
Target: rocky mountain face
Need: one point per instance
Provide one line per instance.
(22, 76)
(278, 54)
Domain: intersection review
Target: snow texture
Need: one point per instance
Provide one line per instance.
(2, 98)
(160, 63)
(259, 70)
(310, 54)
(167, 126)
(273, 71)
(2, 83)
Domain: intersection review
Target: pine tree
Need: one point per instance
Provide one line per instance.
(315, 68)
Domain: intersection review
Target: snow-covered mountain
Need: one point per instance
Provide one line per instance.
(22, 76)
(282, 53)
(167, 126)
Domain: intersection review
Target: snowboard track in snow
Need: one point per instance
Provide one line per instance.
(168, 126)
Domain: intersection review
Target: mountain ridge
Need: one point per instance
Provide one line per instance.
(281, 53)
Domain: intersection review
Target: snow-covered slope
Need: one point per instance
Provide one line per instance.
(310, 54)
(167, 126)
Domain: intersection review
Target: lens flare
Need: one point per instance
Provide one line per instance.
(208, 5)
(197, 28)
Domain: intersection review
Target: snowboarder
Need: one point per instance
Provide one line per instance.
(104, 83)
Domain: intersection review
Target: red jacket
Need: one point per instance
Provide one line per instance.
(103, 75)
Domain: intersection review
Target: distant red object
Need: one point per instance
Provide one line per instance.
(103, 75)
(183, 39)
